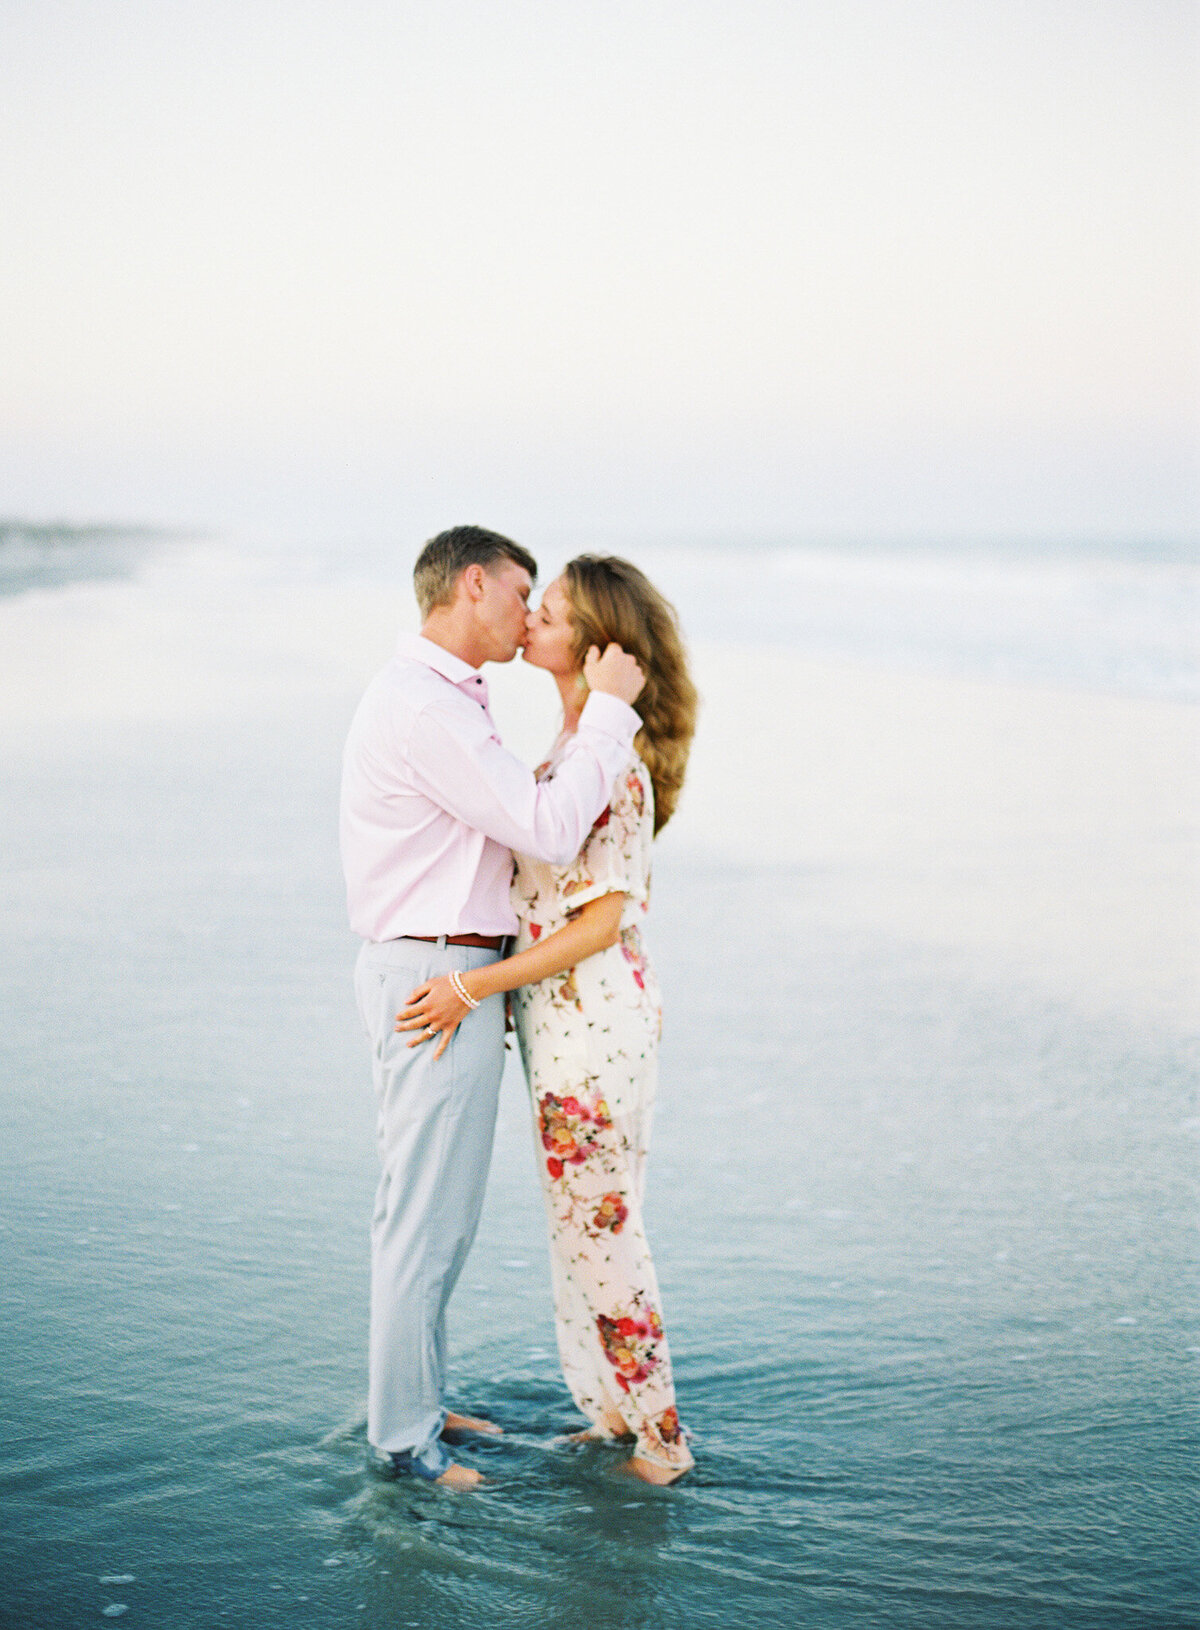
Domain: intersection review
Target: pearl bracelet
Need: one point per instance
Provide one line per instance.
(460, 990)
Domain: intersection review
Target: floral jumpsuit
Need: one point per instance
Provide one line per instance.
(589, 1039)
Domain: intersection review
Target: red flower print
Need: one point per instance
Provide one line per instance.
(629, 1346)
(610, 1213)
(568, 1131)
(632, 952)
(535, 930)
(602, 819)
(668, 1426)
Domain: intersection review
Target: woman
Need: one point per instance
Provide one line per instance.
(588, 1017)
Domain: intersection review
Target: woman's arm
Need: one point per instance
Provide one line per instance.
(434, 1005)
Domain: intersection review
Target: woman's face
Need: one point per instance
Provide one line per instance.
(550, 636)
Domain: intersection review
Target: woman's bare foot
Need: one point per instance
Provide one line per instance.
(471, 1423)
(651, 1472)
(609, 1426)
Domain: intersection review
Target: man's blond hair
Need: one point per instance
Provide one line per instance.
(447, 556)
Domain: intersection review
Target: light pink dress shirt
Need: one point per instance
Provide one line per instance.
(433, 805)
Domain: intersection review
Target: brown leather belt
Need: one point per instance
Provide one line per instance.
(485, 942)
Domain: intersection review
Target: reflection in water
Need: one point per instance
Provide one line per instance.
(533, 1546)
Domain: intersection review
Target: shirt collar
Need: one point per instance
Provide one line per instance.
(414, 648)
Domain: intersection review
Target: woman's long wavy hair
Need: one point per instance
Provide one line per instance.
(611, 600)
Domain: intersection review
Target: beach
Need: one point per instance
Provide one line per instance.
(921, 1193)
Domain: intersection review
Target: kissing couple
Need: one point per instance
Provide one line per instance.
(470, 876)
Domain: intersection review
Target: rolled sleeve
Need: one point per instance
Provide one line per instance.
(611, 861)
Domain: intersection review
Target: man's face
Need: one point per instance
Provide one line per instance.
(502, 609)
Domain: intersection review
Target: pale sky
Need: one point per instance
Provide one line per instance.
(719, 266)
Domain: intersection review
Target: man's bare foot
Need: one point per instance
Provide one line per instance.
(459, 1478)
(651, 1472)
(471, 1423)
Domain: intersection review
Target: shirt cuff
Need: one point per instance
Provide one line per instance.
(610, 714)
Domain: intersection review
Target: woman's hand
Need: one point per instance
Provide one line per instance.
(432, 1007)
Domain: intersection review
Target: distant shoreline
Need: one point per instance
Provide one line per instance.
(51, 554)
(75, 532)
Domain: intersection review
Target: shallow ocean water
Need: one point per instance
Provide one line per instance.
(925, 1235)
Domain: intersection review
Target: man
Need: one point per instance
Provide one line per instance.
(432, 807)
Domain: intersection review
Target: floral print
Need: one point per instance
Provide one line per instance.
(589, 1039)
(631, 950)
(669, 1428)
(631, 1345)
(611, 1214)
(565, 1125)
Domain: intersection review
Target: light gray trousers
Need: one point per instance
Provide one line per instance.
(436, 1123)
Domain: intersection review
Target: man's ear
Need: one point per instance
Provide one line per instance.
(473, 581)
